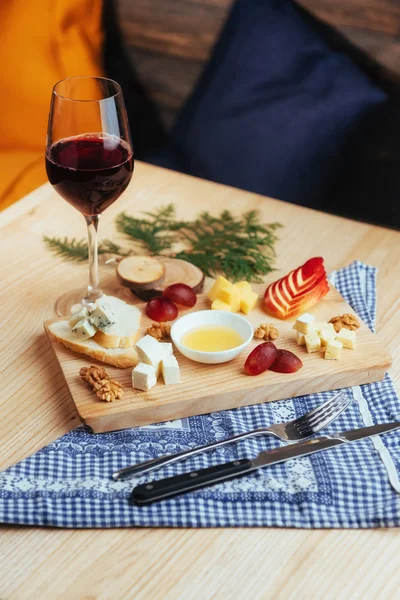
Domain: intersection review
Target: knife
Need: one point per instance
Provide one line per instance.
(179, 484)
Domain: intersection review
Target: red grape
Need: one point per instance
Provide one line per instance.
(286, 362)
(260, 359)
(181, 294)
(161, 309)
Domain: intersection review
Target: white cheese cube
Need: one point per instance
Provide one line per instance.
(313, 343)
(102, 317)
(78, 316)
(170, 370)
(333, 349)
(150, 351)
(300, 338)
(347, 338)
(84, 329)
(167, 346)
(304, 323)
(144, 377)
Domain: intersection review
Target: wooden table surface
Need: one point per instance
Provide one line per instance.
(35, 408)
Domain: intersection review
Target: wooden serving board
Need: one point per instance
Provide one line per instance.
(209, 388)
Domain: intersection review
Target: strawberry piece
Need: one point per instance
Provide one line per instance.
(297, 291)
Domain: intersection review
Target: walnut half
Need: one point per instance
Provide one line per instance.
(347, 320)
(159, 331)
(266, 331)
(99, 380)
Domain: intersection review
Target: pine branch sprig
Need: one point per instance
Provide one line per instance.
(77, 250)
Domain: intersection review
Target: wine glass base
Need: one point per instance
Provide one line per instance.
(66, 304)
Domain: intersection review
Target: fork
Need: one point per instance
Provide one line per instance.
(291, 431)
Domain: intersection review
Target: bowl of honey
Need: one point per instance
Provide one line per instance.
(211, 336)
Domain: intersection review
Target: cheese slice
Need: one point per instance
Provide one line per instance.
(144, 377)
(170, 370)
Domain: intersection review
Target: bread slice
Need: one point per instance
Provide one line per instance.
(125, 331)
(118, 357)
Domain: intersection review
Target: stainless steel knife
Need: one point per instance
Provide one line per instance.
(172, 486)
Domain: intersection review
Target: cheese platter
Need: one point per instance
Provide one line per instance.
(176, 385)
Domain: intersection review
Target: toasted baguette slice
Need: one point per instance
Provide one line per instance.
(118, 357)
(125, 331)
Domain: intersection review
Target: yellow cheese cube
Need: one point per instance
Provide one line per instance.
(231, 295)
(219, 283)
(333, 349)
(300, 338)
(313, 343)
(304, 323)
(248, 301)
(220, 305)
(347, 338)
(243, 285)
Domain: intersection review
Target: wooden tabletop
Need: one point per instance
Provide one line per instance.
(35, 408)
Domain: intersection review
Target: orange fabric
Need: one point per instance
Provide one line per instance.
(41, 42)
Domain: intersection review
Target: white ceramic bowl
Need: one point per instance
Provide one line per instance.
(211, 317)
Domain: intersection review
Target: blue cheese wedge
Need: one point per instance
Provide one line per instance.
(304, 323)
(170, 370)
(84, 329)
(144, 377)
(102, 317)
(78, 316)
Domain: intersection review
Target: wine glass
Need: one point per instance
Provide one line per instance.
(89, 159)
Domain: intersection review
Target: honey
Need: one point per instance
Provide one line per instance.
(212, 338)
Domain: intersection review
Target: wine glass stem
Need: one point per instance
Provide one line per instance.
(93, 291)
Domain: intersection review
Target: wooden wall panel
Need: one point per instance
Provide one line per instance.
(168, 41)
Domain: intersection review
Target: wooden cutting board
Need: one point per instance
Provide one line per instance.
(209, 388)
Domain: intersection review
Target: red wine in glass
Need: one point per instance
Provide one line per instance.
(89, 160)
(90, 171)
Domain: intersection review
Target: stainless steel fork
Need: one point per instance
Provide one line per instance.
(292, 431)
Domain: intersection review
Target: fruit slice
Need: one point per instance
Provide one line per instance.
(286, 362)
(176, 270)
(297, 291)
(161, 309)
(181, 294)
(140, 272)
(260, 359)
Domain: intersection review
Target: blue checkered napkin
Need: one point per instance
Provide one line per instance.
(68, 483)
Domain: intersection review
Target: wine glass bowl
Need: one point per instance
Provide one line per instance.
(89, 158)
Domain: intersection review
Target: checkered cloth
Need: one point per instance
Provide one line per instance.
(68, 483)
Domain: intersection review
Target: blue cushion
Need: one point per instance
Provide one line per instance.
(273, 109)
